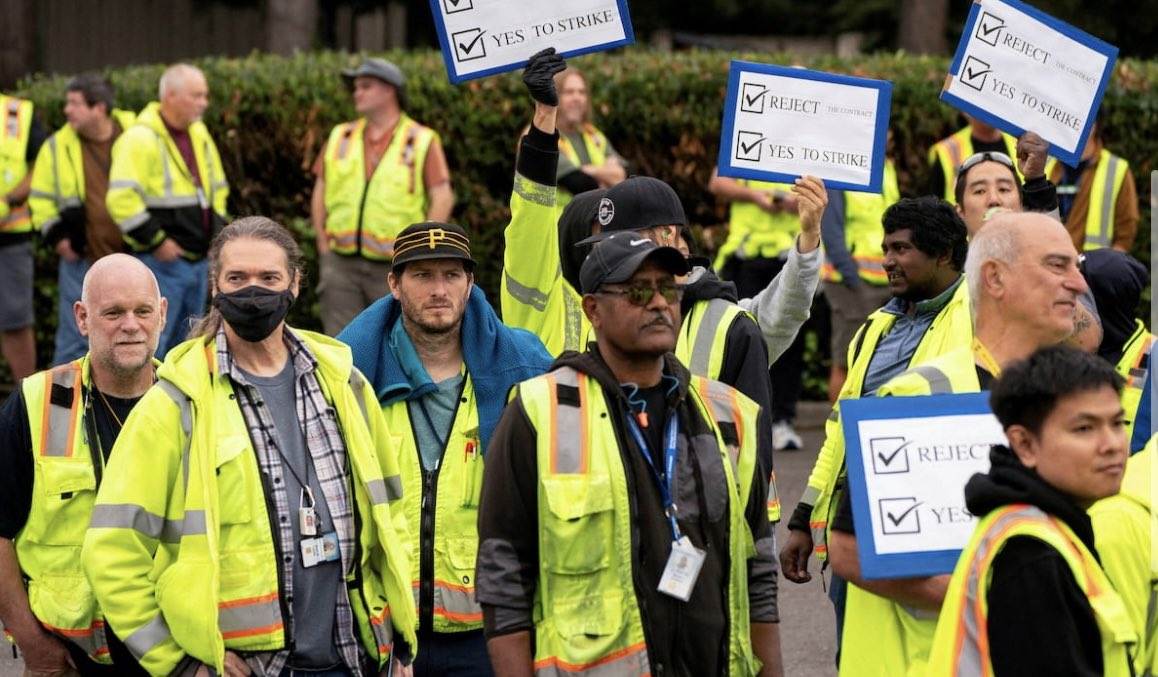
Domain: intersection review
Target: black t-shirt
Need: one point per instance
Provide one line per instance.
(106, 413)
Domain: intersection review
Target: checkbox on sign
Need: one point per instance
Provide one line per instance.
(469, 45)
(899, 515)
(989, 28)
(974, 73)
(454, 6)
(749, 146)
(752, 98)
(890, 455)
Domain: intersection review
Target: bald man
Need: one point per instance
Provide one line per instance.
(56, 432)
(1024, 284)
(167, 193)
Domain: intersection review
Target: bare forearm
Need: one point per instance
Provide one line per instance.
(766, 645)
(544, 119)
(19, 194)
(441, 203)
(511, 654)
(14, 610)
(318, 214)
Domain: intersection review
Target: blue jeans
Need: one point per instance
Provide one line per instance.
(70, 345)
(837, 592)
(452, 654)
(185, 284)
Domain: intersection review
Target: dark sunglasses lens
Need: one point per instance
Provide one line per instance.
(640, 296)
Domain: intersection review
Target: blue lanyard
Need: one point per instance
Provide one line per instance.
(669, 466)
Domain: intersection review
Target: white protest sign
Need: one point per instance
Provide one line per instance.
(781, 123)
(484, 37)
(908, 461)
(1020, 69)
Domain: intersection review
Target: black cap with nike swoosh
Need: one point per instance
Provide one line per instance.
(617, 257)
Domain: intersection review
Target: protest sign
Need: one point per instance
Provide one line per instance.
(484, 37)
(1020, 69)
(782, 123)
(908, 460)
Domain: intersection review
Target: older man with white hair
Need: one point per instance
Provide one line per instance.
(1024, 284)
(56, 433)
(167, 192)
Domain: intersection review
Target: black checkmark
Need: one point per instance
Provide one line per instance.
(454, 2)
(466, 49)
(748, 149)
(893, 455)
(897, 520)
(750, 100)
(971, 74)
(984, 29)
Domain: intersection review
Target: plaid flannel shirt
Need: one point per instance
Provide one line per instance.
(326, 447)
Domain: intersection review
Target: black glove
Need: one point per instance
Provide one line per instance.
(539, 76)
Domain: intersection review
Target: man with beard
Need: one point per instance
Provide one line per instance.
(245, 525)
(56, 433)
(441, 364)
(621, 500)
(924, 255)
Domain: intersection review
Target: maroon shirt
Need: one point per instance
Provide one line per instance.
(184, 145)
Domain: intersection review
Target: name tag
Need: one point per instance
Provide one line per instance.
(321, 549)
(308, 521)
(682, 570)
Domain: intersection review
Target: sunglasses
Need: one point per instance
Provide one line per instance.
(641, 294)
(988, 156)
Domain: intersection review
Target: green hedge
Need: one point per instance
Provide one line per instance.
(270, 115)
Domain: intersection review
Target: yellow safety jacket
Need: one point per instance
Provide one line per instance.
(58, 177)
(952, 329)
(363, 217)
(66, 474)
(597, 150)
(754, 233)
(863, 231)
(1124, 529)
(1109, 175)
(881, 637)
(152, 194)
(1134, 368)
(961, 646)
(951, 151)
(180, 551)
(446, 509)
(587, 617)
(15, 132)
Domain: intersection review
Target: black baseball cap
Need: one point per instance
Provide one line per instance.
(619, 255)
(638, 203)
(377, 68)
(432, 240)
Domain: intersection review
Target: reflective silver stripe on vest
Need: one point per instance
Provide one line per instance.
(456, 603)
(249, 616)
(1107, 215)
(148, 636)
(358, 385)
(535, 192)
(133, 221)
(58, 442)
(705, 337)
(385, 490)
(527, 296)
(938, 382)
(127, 183)
(172, 202)
(383, 631)
(630, 662)
(721, 401)
(969, 661)
(810, 495)
(569, 438)
(186, 409)
(130, 516)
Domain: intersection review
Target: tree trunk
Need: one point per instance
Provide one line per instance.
(922, 29)
(290, 25)
(17, 41)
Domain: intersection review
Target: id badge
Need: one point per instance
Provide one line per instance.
(311, 552)
(330, 547)
(307, 521)
(682, 570)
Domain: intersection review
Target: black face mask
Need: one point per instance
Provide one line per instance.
(254, 312)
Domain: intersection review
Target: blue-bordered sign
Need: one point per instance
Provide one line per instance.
(908, 461)
(781, 123)
(1018, 68)
(485, 37)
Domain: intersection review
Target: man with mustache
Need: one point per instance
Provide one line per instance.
(1024, 284)
(622, 523)
(56, 433)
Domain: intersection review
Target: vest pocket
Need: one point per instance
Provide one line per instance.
(62, 602)
(67, 488)
(589, 625)
(235, 467)
(577, 526)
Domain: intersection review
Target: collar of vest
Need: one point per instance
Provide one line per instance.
(151, 117)
(591, 364)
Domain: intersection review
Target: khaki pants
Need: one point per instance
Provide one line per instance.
(347, 285)
(850, 308)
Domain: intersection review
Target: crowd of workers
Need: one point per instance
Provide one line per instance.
(586, 485)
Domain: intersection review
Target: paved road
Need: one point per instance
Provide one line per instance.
(806, 629)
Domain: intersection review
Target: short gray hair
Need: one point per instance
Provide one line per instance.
(175, 77)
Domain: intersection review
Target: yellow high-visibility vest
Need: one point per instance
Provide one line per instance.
(15, 133)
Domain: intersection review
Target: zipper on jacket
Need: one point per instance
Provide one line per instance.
(361, 214)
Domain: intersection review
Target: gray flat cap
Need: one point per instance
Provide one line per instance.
(378, 68)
